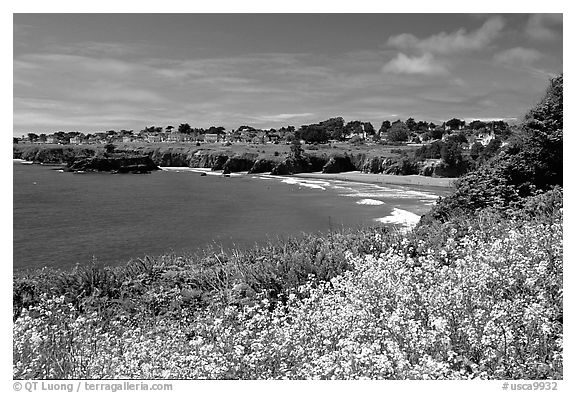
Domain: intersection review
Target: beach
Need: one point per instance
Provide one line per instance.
(380, 178)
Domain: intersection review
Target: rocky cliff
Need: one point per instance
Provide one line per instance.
(229, 162)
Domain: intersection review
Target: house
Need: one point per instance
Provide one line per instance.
(75, 140)
(485, 139)
(211, 138)
(52, 139)
(153, 138)
(178, 137)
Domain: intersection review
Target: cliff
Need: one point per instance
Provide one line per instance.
(229, 162)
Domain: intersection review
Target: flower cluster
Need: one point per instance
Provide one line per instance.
(479, 307)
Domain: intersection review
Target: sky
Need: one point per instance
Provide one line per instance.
(97, 72)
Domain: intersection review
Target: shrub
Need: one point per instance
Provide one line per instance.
(448, 305)
(530, 164)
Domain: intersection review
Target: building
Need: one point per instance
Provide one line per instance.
(177, 137)
(211, 138)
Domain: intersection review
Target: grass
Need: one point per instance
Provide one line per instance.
(266, 151)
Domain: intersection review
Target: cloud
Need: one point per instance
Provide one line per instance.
(518, 56)
(75, 64)
(280, 117)
(542, 27)
(424, 65)
(458, 41)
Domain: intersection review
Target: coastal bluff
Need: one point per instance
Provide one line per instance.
(146, 158)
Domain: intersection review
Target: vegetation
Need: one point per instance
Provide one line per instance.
(475, 291)
(531, 164)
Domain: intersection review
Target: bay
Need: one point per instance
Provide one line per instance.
(63, 219)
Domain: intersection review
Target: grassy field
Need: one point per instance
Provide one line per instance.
(267, 150)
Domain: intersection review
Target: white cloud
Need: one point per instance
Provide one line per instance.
(280, 117)
(457, 41)
(424, 65)
(518, 56)
(542, 27)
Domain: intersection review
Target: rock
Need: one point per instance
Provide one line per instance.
(239, 163)
(337, 164)
(119, 164)
(262, 165)
(218, 162)
(373, 165)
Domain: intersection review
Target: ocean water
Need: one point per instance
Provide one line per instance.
(63, 219)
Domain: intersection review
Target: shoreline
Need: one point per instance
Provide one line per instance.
(381, 179)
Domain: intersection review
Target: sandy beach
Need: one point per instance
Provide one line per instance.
(353, 176)
(379, 178)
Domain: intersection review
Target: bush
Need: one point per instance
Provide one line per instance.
(446, 305)
(530, 164)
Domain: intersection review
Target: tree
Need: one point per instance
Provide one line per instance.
(398, 132)
(455, 124)
(476, 150)
(216, 130)
(353, 127)
(32, 137)
(451, 154)
(422, 126)
(411, 124)
(432, 150)
(312, 133)
(369, 128)
(169, 128)
(384, 127)
(184, 128)
(334, 127)
(529, 165)
(458, 137)
(477, 125)
(500, 127)
(435, 133)
(491, 149)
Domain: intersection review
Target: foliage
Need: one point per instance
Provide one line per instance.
(433, 305)
(455, 124)
(530, 164)
(435, 133)
(109, 148)
(411, 124)
(491, 149)
(451, 153)
(431, 150)
(398, 132)
(321, 132)
(184, 128)
(476, 150)
(477, 125)
(296, 150)
(384, 127)
(312, 134)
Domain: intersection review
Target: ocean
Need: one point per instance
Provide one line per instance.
(62, 219)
